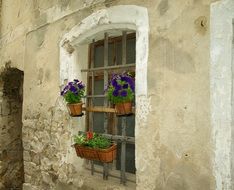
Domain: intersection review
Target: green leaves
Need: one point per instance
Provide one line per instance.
(72, 98)
(97, 141)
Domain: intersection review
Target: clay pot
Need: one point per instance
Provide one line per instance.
(75, 109)
(123, 108)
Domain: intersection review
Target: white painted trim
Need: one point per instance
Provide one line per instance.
(123, 17)
(221, 76)
(128, 17)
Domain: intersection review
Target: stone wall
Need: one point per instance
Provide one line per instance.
(11, 150)
(173, 147)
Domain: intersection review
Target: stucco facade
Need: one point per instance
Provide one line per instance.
(176, 148)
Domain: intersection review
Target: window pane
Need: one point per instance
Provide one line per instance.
(99, 87)
(98, 122)
(98, 56)
(131, 51)
(130, 158)
(130, 128)
(111, 54)
(119, 53)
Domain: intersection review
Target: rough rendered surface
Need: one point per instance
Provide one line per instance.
(174, 147)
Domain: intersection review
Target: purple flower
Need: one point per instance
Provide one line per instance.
(70, 83)
(73, 89)
(115, 93)
(125, 86)
(124, 93)
(114, 83)
(76, 80)
(80, 85)
(118, 87)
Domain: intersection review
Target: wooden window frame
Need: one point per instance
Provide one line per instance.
(110, 118)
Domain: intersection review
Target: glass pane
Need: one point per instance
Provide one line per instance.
(98, 121)
(99, 87)
(130, 158)
(119, 53)
(111, 54)
(130, 128)
(131, 51)
(99, 56)
(98, 118)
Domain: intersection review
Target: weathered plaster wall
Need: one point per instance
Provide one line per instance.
(173, 148)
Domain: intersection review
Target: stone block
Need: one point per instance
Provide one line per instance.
(46, 178)
(6, 109)
(27, 178)
(31, 168)
(27, 156)
(15, 107)
(27, 186)
(2, 187)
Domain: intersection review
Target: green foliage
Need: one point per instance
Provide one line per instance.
(97, 141)
(72, 98)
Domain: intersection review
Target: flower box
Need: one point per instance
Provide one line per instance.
(102, 155)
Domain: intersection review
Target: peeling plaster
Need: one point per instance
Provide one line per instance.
(221, 76)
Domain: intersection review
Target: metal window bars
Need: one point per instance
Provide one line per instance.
(123, 139)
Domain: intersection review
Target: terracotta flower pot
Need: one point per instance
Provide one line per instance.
(123, 108)
(103, 155)
(75, 109)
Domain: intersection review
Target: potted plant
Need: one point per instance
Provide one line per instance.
(72, 93)
(121, 91)
(95, 147)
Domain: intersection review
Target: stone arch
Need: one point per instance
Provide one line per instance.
(222, 98)
(118, 17)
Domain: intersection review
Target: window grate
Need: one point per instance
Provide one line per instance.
(115, 58)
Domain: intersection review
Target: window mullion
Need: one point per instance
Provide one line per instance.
(123, 143)
(105, 79)
(91, 115)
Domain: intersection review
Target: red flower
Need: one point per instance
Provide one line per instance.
(89, 135)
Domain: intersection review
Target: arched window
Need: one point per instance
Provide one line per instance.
(126, 34)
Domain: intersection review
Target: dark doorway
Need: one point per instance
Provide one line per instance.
(11, 149)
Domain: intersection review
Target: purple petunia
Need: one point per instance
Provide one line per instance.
(118, 87)
(73, 89)
(114, 83)
(125, 86)
(124, 93)
(115, 93)
(80, 85)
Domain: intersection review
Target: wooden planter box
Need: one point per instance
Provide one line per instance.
(103, 155)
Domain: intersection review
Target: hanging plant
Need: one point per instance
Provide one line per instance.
(121, 92)
(72, 93)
